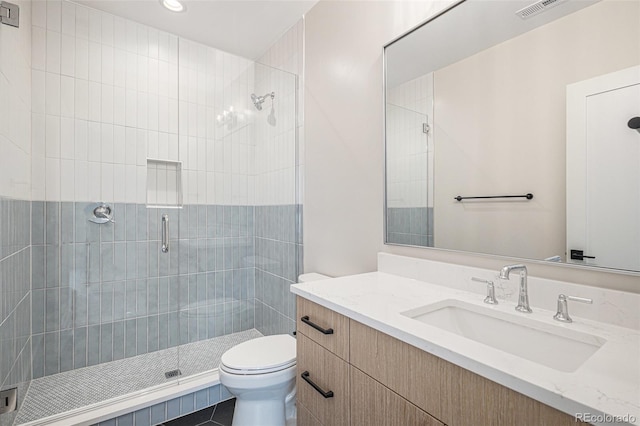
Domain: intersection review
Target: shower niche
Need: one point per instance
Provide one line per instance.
(164, 183)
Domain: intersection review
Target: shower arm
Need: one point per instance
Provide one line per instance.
(261, 99)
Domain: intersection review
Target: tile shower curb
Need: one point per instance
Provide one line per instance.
(129, 403)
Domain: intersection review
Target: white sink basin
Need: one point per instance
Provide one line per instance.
(553, 346)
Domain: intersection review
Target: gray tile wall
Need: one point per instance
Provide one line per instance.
(15, 301)
(106, 292)
(278, 261)
(410, 225)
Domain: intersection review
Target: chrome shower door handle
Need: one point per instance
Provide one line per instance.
(165, 233)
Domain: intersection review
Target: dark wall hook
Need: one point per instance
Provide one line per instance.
(634, 124)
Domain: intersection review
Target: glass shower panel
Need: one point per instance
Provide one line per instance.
(216, 222)
(238, 225)
(278, 245)
(105, 298)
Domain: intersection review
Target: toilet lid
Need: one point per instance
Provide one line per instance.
(262, 355)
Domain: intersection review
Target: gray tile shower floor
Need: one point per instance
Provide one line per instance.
(74, 389)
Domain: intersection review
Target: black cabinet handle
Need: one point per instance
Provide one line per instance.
(579, 255)
(305, 377)
(305, 319)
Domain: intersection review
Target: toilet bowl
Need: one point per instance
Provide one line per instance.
(261, 374)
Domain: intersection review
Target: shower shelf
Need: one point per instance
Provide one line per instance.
(164, 183)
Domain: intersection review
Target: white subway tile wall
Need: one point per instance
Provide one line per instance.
(105, 88)
(286, 54)
(15, 104)
(97, 103)
(216, 156)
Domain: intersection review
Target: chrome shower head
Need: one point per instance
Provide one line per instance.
(259, 100)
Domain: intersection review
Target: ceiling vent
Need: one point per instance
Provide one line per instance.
(537, 8)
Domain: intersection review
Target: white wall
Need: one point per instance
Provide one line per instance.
(15, 106)
(343, 144)
(343, 211)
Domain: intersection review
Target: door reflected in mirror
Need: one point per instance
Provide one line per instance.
(480, 103)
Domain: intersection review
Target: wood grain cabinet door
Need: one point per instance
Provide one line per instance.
(373, 404)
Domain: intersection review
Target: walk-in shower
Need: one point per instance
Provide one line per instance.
(126, 131)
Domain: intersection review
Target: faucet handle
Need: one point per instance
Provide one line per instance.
(562, 314)
(491, 291)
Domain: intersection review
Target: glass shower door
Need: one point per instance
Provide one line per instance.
(278, 211)
(238, 241)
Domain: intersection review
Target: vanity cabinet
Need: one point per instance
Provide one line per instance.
(450, 393)
(380, 380)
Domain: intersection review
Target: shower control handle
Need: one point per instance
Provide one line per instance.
(305, 319)
(326, 394)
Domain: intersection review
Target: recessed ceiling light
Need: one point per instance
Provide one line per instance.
(173, 5)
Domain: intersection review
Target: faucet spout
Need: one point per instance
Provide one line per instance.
(523, 296)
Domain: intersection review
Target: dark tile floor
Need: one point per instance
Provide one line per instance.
(217, 415)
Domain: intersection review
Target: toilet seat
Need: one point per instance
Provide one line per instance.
(263, 355)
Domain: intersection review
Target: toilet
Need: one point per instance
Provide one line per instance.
(261, 374)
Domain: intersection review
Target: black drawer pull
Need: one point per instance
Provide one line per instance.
(305, 319)
(327, 394)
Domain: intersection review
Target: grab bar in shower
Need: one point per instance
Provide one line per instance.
(165, 233)
(527, 196)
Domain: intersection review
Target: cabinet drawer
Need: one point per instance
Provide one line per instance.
(323, 326)
(328, 373)
(373, 404)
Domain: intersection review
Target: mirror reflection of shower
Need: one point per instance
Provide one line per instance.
(259, 100)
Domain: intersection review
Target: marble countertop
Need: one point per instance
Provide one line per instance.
(607, 384)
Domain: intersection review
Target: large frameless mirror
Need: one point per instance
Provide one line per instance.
(509, 131)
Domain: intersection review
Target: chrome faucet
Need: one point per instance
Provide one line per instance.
(523, 297)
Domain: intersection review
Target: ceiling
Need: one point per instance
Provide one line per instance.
(243, 27)
(469, 28)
